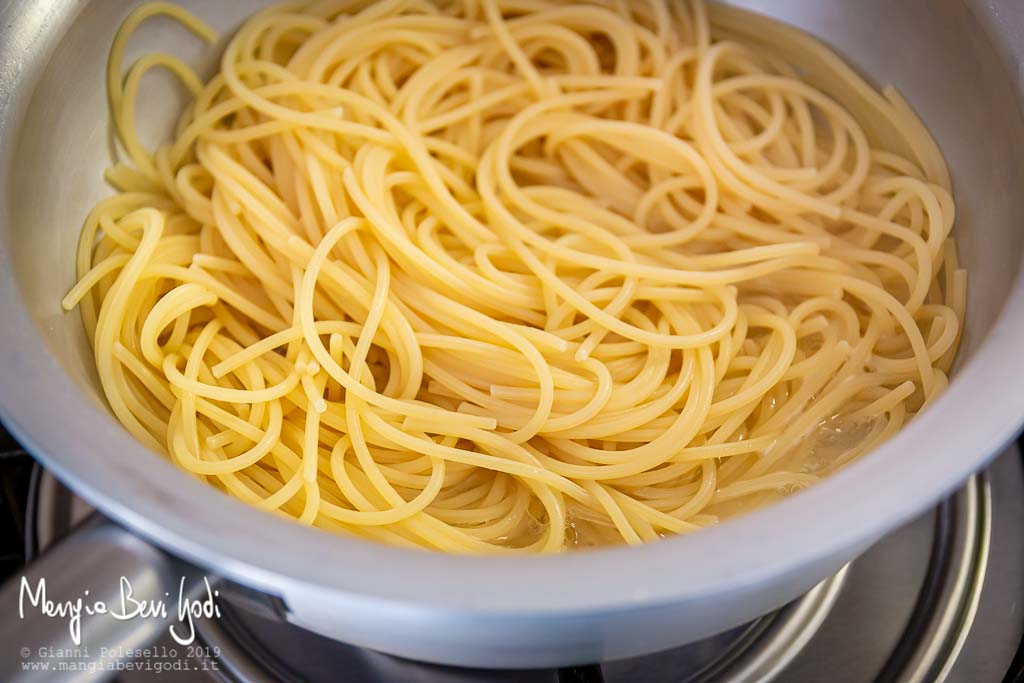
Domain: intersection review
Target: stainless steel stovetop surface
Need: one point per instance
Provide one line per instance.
(940, 599)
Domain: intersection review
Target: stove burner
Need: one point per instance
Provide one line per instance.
(750, 652)
(937, 600)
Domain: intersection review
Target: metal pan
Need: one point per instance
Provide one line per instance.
(958, 63)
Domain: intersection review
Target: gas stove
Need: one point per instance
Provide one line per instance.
(940, 599)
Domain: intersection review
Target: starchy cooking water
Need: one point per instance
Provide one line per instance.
(830, 445)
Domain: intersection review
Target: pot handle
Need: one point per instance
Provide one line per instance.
(46, 608)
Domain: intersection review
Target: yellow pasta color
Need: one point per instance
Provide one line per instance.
(491, 277)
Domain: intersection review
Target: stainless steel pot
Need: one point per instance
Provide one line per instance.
(958, 62)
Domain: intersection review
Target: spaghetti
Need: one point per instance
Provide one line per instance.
(518, 275)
